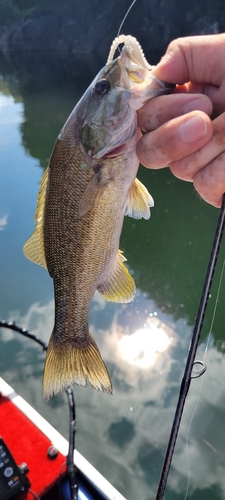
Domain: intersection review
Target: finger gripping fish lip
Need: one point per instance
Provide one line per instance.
(168, 87)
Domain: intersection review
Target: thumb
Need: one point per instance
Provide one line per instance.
(199, 59)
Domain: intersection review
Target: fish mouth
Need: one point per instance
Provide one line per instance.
(167, 87)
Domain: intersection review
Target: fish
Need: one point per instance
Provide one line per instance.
(85, 192)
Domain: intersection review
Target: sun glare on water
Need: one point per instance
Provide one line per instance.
(141, 348)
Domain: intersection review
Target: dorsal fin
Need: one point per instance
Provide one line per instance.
(34, 247)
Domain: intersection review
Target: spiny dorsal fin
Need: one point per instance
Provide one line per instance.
(67, 364)
(138, 202)
(34, 246)
(120, 287)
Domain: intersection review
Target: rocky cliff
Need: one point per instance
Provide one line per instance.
(69, 36)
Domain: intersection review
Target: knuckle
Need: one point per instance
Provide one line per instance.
(219, 129)
(175, 44)
(181, 170)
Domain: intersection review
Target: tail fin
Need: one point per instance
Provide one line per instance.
(69, 364)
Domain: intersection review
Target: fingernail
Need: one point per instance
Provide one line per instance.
(200, 104)
(193, 129)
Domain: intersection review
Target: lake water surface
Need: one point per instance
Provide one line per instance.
(144, 343)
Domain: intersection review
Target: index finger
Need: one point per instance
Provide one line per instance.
(199, 59)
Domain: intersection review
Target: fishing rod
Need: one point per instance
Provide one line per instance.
(70, 467)
(189, 371)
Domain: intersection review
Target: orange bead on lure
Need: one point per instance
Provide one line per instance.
(85, 192)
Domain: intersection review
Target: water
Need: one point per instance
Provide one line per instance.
(123, 436)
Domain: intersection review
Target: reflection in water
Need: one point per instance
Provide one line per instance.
(141, 348)
(144, 343)
(3, 222)
(148, 454)
(137, 419)
(121, 432)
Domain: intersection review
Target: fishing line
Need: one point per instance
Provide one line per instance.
(118, 42)
(215, 309)
(34, 494)
(124, 19)
(188, 372)
(201, 383)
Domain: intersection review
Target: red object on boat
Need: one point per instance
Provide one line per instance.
(27, 443)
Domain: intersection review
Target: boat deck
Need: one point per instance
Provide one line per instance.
(28, 436)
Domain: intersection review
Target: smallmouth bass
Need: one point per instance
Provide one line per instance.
(85, 192)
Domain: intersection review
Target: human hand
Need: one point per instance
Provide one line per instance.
(182, 136)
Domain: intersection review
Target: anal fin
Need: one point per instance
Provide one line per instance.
(120, 287)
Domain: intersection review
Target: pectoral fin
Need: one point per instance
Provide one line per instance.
(34, 247)
(92, 193)
(120, 287)
(138, 202)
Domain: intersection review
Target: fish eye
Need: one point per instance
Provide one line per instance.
(102, 87)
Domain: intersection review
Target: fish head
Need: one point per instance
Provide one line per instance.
(109, 119)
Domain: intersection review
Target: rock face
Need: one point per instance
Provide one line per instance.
(53, 41)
